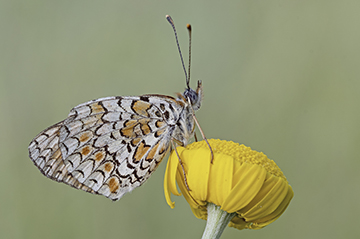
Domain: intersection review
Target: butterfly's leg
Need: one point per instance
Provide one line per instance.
(182, 165)
(195, 137)
(203, 135)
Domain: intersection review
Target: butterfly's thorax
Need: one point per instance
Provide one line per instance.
(185, 126)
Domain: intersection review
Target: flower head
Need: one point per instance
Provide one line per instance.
(240, 180)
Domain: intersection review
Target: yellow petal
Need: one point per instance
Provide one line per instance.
(197, 167)
(181, 183)
(188, 162)
(200, 212)
(268, 203)
(248, 179)
(239, 223)
(262, 222)
(170, 178)
(220, 179)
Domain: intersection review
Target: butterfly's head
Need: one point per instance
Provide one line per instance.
(195, 97)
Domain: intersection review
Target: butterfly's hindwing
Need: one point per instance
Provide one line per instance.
(108, 146)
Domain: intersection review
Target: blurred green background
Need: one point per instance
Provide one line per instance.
(279, 76)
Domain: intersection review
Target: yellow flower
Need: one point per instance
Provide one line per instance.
(240, 180)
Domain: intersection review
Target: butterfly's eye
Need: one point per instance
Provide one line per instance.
(192, 95)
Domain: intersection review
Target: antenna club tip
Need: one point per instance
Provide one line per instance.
(169, 19)
(188, 26)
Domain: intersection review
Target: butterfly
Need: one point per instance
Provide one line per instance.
(110, 146)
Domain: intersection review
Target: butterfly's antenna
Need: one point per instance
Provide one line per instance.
(177, 43)
(188, 26)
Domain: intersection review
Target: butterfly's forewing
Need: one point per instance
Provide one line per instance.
(108, 146)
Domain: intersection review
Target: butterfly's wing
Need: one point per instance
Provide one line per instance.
(107, 146)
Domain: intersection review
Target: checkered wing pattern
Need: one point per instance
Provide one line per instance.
(108, 146)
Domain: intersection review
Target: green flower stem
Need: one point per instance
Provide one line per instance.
(217, 220)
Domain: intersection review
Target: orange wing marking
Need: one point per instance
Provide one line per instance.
(141, 108)
(128, 132)
(96, 108)
(85, 150)
(160, 123)
(144, 126)
(159, 132)
(85, 136)
(99, 156)
(108, 167)
(140, 151)
(135, 141)
(152, 152)
(113, 184)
